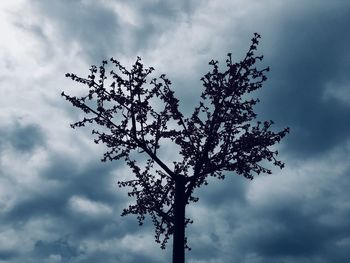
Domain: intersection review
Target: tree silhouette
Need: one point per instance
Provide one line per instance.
(136, 116)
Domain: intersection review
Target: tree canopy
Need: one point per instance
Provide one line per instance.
(136, 114)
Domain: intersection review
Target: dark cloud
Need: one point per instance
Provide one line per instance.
(68, 209)
(37, 206)
(60, 247)
(233, 186)
(7, 254)
(22, 137)
(311, 51)
(157, 17)
(101, 31)
(290, 233)
(298, 224)
(92, 25)
(57, 204)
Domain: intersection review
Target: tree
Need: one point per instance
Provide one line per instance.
(136, 115)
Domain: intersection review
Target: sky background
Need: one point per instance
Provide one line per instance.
(59, 203)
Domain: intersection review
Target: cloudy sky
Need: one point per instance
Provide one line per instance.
(59, 203)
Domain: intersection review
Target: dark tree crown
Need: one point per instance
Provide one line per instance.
(218, 137)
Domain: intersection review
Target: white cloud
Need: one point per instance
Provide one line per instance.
(337, 90)
(20, 173)
(143, 244)
(128, 15)
(54, 258)
(302, 180)
(82, 205)
(8, 239)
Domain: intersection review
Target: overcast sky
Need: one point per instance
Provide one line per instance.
(59, 203)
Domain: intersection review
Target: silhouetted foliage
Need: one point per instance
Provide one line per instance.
(139, 114)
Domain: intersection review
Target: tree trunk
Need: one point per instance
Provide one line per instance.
(179, 222)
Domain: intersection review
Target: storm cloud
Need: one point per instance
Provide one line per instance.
(59, 203)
